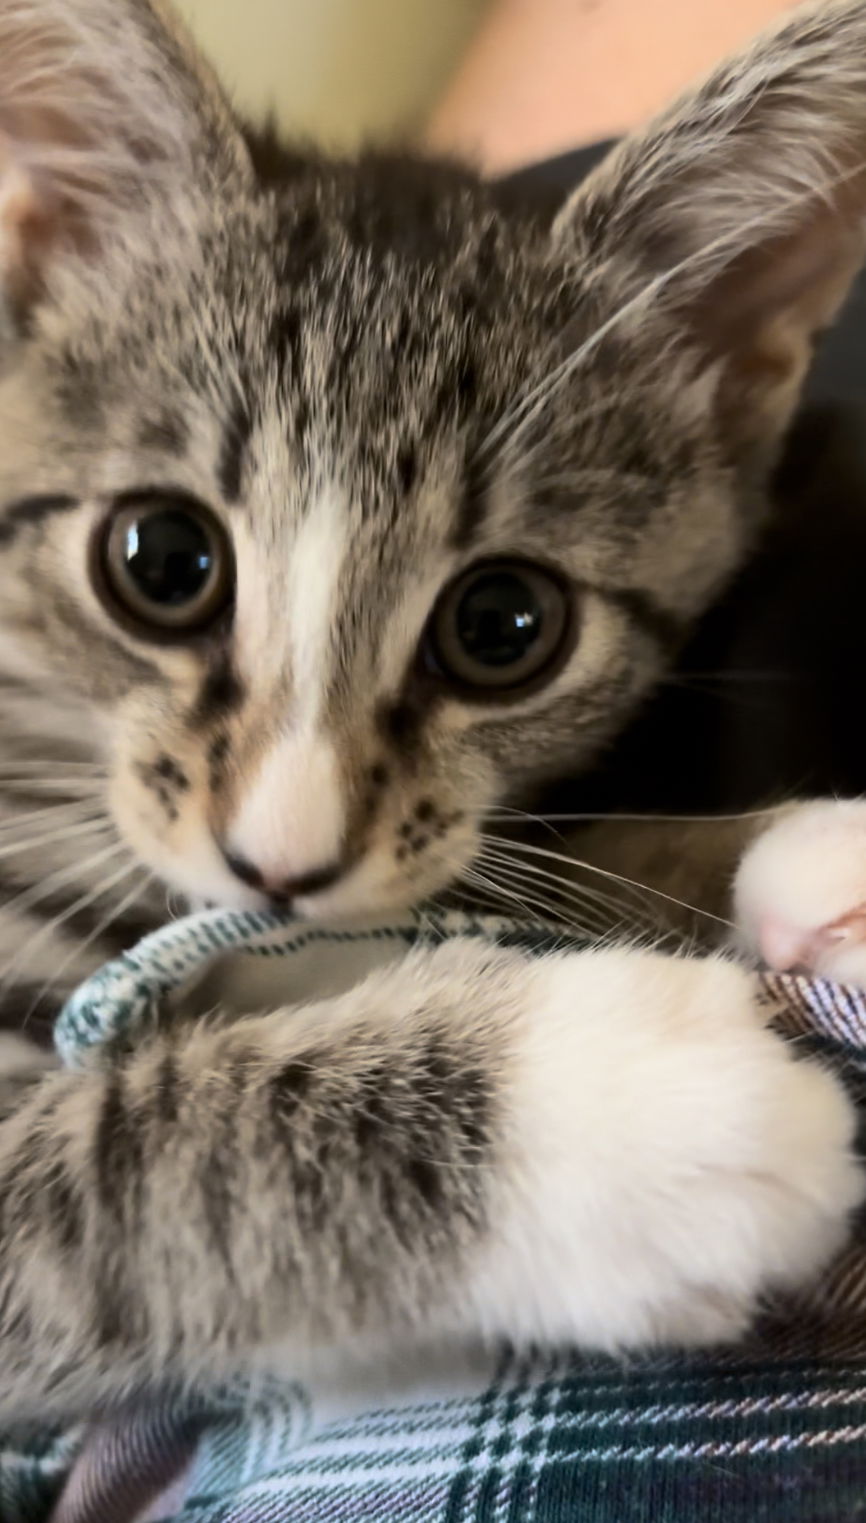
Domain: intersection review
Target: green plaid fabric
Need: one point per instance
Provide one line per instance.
(773, 1431)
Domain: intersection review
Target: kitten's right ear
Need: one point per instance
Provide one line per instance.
(105, 111)
(741, 212)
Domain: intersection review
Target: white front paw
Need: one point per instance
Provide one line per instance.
(771, 1217)
(679, 1161)
(800, 893)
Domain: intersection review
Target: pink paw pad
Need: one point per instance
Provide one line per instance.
(800, 892)
(788, 949)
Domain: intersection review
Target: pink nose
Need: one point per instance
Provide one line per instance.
(282, 890)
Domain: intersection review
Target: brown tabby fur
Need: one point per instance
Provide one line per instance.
(391, 342)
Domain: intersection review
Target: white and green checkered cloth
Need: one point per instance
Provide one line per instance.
(774, 1431)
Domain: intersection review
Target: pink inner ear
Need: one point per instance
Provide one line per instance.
(98, 115)
(39, 212)
(799, 279)
(56, 188)
(809, 272)
(25, 227)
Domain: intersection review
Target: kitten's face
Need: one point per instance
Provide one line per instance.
(401, 625)
(296, 498)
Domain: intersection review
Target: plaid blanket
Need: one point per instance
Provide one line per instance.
(775, 1429)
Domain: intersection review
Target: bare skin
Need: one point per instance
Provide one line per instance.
(544, 76)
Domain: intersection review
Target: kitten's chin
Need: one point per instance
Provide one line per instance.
(364, 896)
(244, 899)
(218, 893)
(346, 903)
(372, 891)
(331, 907)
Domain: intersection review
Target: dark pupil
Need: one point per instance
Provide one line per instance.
(498, 619)
(169, 557)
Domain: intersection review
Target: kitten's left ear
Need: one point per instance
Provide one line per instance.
(106, 112)
(742, 210)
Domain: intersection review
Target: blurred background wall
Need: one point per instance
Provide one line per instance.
(338, 70)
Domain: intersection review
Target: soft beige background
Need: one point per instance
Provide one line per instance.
(340, 70)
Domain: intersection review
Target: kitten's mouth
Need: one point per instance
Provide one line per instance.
(375, 886)
(325, 906)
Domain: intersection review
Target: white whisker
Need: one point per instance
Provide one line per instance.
(475, 879)
(613, 817)
(66, 790)
(29, 842)
(530, 904)
(591, 891)
(562, 892)
(82, 903)
(99, 929)
(29, 768)
(60, 813)
(31, 896)
(603, 872)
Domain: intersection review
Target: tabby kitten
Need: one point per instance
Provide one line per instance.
(343, 504)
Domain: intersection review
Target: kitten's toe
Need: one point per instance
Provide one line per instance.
(800, 892)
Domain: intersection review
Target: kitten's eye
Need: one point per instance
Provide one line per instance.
(500, 625)
(165, 561)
